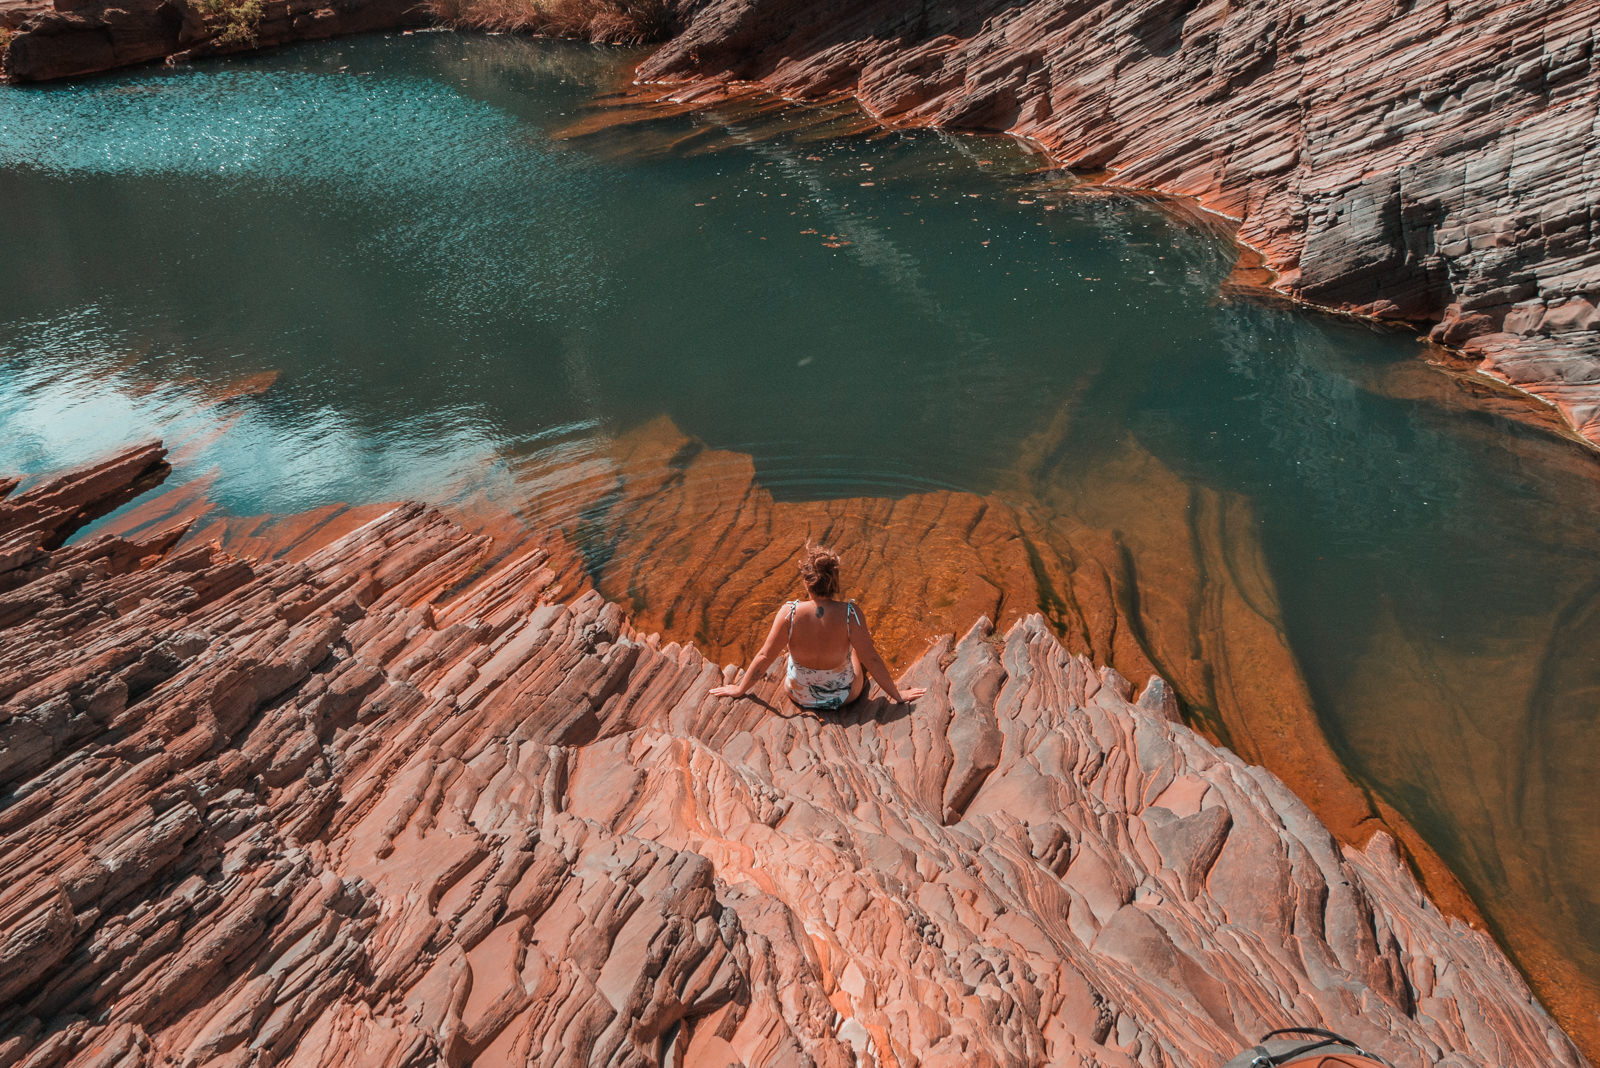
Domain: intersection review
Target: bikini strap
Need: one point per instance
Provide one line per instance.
(792, 606)
(850, 612)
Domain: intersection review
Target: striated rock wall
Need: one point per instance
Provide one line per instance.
(45, 39)
(1427, 160)
(389, 804)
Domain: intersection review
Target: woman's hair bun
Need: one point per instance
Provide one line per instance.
(819, 569)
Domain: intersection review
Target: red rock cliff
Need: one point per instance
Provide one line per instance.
(1429, 160)
(390, 805)
(45, 39)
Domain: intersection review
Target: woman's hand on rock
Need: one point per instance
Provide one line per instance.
(730, 690)
(907, 696)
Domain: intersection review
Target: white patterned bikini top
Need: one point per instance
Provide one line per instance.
(823, 689)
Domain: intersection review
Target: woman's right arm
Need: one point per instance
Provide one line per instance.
(777, 641)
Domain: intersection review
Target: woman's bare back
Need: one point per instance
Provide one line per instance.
(819, 634)
(831, 652)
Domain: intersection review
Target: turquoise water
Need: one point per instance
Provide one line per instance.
(445, 283)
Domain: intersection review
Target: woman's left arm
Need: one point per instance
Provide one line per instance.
(874, 665)
(777, 641)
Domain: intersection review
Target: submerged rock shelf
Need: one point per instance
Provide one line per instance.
(393, 803)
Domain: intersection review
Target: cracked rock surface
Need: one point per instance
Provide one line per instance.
(393, 804)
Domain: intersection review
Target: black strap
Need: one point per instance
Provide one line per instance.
(1324, 1038)
(1319, 1031)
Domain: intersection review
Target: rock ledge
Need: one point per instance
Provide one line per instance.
(392, 804)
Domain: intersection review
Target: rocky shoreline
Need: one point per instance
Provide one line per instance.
(45, 40)
(1431, 163)
(391, 802)
(1435, 163)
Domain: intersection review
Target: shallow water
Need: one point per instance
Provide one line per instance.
(453, 268)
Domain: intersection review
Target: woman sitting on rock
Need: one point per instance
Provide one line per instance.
(828, 644)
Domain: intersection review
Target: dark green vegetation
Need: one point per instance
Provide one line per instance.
(606, 21)
(235, 19)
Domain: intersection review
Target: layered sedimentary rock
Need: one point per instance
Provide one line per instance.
(1131, 566)
(391, 804)
(690, 543)
(1430, 161)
